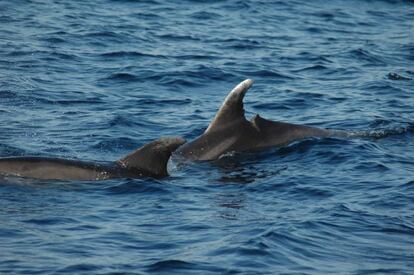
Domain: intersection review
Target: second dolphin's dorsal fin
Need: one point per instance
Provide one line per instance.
(232, 107)
(152, 158)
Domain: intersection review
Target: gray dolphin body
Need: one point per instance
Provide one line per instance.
(231, 132)
(148, 161)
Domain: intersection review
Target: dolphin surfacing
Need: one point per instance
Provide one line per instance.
(148, 161)
(230, 131)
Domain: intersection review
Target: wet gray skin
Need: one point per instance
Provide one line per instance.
(148, 161)
(230, 131)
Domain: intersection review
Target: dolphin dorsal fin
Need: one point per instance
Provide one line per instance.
(232, 107)
(152, 158)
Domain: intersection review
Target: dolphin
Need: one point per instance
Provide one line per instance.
(149, 160)
(230, 131)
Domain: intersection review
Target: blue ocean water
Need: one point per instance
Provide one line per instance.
(94, 80)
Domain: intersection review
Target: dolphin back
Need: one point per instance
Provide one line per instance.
(150, 161)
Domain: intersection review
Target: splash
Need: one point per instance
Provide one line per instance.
(375, 133)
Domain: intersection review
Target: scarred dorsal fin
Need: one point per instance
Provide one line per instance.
(152, 158)
(232, 107)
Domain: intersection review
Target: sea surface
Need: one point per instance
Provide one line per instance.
(94, 80)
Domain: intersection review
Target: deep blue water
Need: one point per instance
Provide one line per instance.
(94, 80)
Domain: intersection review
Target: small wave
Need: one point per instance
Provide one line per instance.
(240, 44)
(270, 73)
(408, 186)
(379, 270)
(147, 15)
(103, 34)
(150, 2)
(314, 30)
(365, 55)
(50, 221)
(8, 150)
(165, 102)
(115, 144)
(271, 106)
(194, 77)
(76, 268)
(80, 101)
(325, 14)
(212, 73)
(290, 243)
(178, 37)
(178, 82)
(382, 88)
(46, 55)
(84, 227)
(188, 78)
(129, 54)
(122, 77)
(126, 120)
(204, 15)
(18, 53)
(137, 186)
(308, 57)
(6, 19)
(245, 175)
(372, 166)
(308, 192)
(395, 76)
(317, 67)
(179, 265)
(379, 14)
(198, 56)
(169, 265)
(7, 94)
(54, 40)
(237, 5)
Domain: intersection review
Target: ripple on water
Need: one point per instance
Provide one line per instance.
(129, 55)
(136, 186)
(183, 266)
